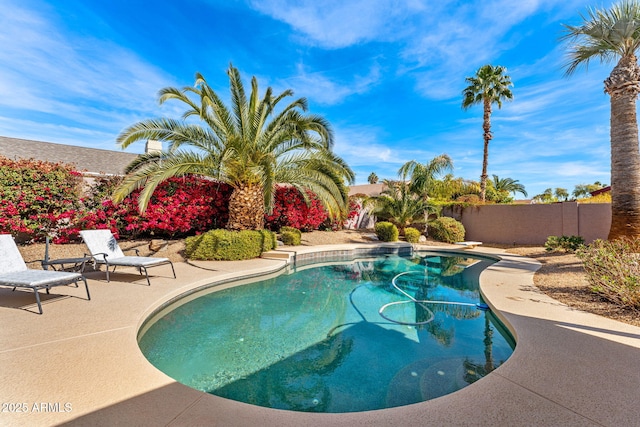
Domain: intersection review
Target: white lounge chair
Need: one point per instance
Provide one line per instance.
(105, 250)
(14, 272)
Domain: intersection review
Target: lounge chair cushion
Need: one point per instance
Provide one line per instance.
(10, 256)
(134, 261)
(105, 250)
(38, 278)
(15, 274)
(102, 242)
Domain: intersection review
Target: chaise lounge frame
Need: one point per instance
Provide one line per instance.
(14, 272)
(104, 249)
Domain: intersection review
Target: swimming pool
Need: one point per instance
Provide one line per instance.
(336, 337)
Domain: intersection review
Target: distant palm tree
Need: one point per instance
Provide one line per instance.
(451, 188)
(551, 196)
(489, 86)
(248, 145)
(423, 175)
(508, 185)
(585, 190)
(373, 178)
(561, 194)
(610, 35)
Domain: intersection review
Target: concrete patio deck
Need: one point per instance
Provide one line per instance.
(79, 362)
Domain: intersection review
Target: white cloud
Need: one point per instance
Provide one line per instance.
(338, 23)
(73, 78)
(321, 88)
(456, 42)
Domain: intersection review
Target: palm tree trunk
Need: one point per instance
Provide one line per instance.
(623, 86)
(246, 208)
(486, 126)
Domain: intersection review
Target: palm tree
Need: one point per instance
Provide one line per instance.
(610, 35)
(398, 204)
(422, 176)
(248, 145)
(451, 188)
(507, 186)
(584, 190)
(552, 196)
(373, 178)
(489, 86)
(561, 194)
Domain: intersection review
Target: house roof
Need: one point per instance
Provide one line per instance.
(370, 190)
(602, 190)
(87, 160)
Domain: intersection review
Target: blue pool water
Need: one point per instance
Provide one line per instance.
(314, 340)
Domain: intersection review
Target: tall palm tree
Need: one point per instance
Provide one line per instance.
(489, 86)
(373, 178)
(614, 35)
(249, 145)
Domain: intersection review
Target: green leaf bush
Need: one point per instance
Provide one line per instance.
(386, 231)
(411, 235)
(229, 245)
(613, 270)
(290, 236)
(447, 229)
(565, 243)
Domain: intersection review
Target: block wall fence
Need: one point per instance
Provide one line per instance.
(532, 224)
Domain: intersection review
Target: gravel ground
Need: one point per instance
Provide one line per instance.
(561, 275)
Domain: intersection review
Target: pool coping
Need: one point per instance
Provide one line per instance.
(568, 368)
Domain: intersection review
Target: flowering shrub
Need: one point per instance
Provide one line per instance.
(39, 199)
(36, 197)
(179, 206)
(291, 210)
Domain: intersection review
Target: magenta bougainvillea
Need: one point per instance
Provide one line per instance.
(290, 209)
(178, 207)
(40, 199)
(36, 196)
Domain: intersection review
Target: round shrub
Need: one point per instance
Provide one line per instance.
(411, 235)
(294, 230)
(386, 231)
(290, 238)
(229, 245)
(446, 229)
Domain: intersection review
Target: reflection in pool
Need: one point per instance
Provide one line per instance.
(314, 340)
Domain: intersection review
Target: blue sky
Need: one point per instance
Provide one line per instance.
(387, 74)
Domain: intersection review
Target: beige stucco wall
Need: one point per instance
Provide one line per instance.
(532, 224)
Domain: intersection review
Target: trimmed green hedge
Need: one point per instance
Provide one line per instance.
(290, 236)
(411, 235)
(446, 229)
(229, 245)
(386, 231)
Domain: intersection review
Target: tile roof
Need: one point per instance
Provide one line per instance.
(86, 160)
